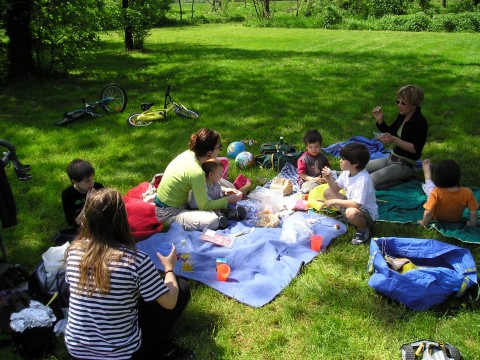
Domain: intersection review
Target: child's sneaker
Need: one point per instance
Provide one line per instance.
(361, 236)
(223, 223)
(236, 213)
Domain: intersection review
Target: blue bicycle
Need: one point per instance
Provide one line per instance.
(112, 99)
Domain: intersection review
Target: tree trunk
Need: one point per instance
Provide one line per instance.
(180, 5)
(267, 8)
(444, 3)
(19, 32)
(128, 31)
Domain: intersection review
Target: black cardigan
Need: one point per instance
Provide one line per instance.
(414, 131)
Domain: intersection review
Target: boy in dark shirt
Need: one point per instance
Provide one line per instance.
(81, 174)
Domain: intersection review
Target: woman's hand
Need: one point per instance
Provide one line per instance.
(388, 139)
(234, 198)
(170, 260)
(378, 114)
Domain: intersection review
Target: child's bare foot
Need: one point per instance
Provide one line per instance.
(427, 171)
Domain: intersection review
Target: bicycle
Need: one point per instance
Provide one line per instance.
(150, 114)
(112, 99)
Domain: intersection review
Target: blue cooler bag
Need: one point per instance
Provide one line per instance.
(433, 272)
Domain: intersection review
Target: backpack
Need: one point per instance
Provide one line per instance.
(274, 147)
(277, 160)
(275, 155)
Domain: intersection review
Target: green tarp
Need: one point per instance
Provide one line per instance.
(403, 203)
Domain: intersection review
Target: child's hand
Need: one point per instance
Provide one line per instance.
(322, 180)
(329, 203)
(326, 172)
(230, 191)
(420, 222)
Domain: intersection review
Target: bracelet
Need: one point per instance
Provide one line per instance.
(168, 271)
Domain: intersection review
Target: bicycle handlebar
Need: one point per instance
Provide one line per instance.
(11, 156)
(168, 98)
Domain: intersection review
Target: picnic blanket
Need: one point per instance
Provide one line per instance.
(261, 265)
(403, 203)
(375, 147)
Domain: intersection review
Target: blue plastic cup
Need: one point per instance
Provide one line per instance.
(165, 248)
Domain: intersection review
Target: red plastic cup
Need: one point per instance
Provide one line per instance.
(316, 242)
(223, 270)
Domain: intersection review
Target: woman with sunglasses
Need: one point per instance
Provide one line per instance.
(408, 134)
(185, 173)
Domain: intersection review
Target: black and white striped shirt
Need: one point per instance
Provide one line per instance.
(106, 326)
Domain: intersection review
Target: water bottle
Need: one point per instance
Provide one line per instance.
(281, 140)
(186, 257)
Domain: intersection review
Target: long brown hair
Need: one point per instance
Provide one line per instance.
(104, 229)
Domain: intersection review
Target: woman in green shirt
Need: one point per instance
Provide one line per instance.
(184, 173)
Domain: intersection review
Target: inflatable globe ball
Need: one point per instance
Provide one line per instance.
(244, 160)
(235, 148)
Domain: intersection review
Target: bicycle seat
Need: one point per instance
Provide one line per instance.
(146, 106)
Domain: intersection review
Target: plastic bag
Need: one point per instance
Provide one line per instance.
(296, 228)
(271, 200)
(54, 259)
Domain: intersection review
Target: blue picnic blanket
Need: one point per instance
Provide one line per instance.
(375, 147)
(261, 265)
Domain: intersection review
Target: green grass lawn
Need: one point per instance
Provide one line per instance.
(257, 83)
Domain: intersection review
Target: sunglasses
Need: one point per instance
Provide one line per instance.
(401, 102)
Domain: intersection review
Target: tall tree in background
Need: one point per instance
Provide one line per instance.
(128, 30)
(18, 30)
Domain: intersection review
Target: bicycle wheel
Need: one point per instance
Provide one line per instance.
(119, 96)
(133, 121)
(182, 111)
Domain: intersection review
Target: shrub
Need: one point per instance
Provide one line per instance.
(356, 24)
(390, 22)
(332, 16)
(460, 6)
(417, 22)
(380, 8)
(464, 22)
